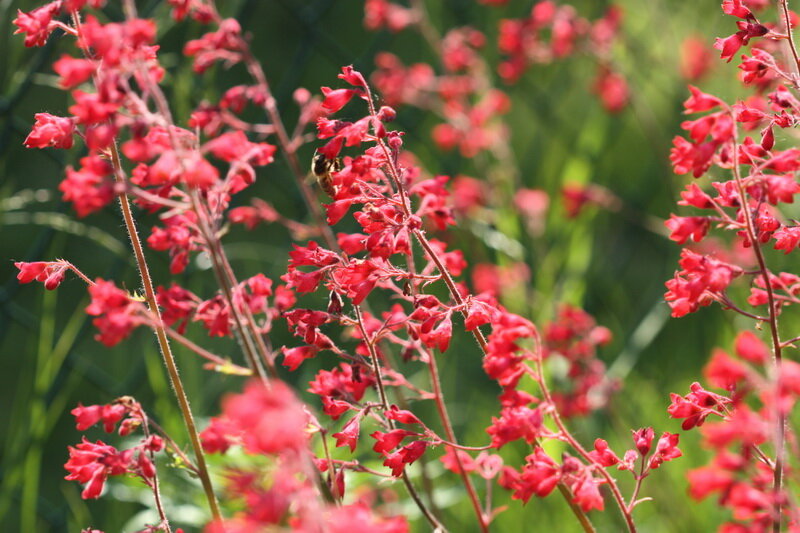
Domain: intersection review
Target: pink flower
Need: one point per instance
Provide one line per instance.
(92, 463)
(386, 442)
(666, 450)
(602, 454)
(750, 348)
(348, 436)
(539, 476)
(270, 420)
(406, 455)
(36, 25)
(219, 436)
(335, 99)
(51, 273)
(89, 188)
(51, 131)
(73, 71)
(696, 60)
(696, 406)
(117, 315)
(684, 228)
(86, 417)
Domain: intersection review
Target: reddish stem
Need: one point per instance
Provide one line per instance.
(777, 346)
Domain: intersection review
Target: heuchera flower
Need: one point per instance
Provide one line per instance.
(696, 406)
(87, 416)
(36, 25)
(117, 314)
(270, 421)
(92, 463)
(90, 188)
(50, 131)
(701, 279)
(51, 273)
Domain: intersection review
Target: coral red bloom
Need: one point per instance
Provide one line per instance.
(36, 25)
(86, 417)
(696, 406)
(406, 455)
(539, 476)
(348, 436)
(73, 71)
(516, 423)
(219, 436)
(51, 273)
(270, 420)
(117, 315)
(92, 463)
(602, 454)
(51, 131)
(90, 188)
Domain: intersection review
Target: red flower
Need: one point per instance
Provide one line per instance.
(696, 60)
(612, 89)
(723, 371)
(406, 455)
(587, 492)
(91, 108)
(736, 9)
(51, 273)
(516, 423)
(683, 228)
(750, 348)
(700, 101)
(643, 440)
(539, 476)
(293, 357)
(73, 71)
(86, 417)
(90, 188)
(450, 463)
(336, 99)
(36, 25)
(92, 463)
(666, 450)
(177, 305)
(270, 420)
(215, 315)
(387, 442)
(787, 238)
(50, 131)
(348, 436)
(602, 454)
(117, 315)
(402, 416)
(218, 436)
(696, 406)
(701, 278)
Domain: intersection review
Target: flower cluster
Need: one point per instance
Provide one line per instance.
(742, 470)
(745, 426)
(92, 463)
(551, 32)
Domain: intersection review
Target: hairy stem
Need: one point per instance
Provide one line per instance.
(163, 341)
(777, 346)
(376, 368)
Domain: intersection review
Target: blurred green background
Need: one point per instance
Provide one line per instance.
(612, 265)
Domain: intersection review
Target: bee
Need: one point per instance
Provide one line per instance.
(322, 168)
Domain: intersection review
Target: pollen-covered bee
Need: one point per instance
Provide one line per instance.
(322, 167)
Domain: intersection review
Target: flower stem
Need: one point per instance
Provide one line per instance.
(777, 346)
(163, 341)
(385, 404)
